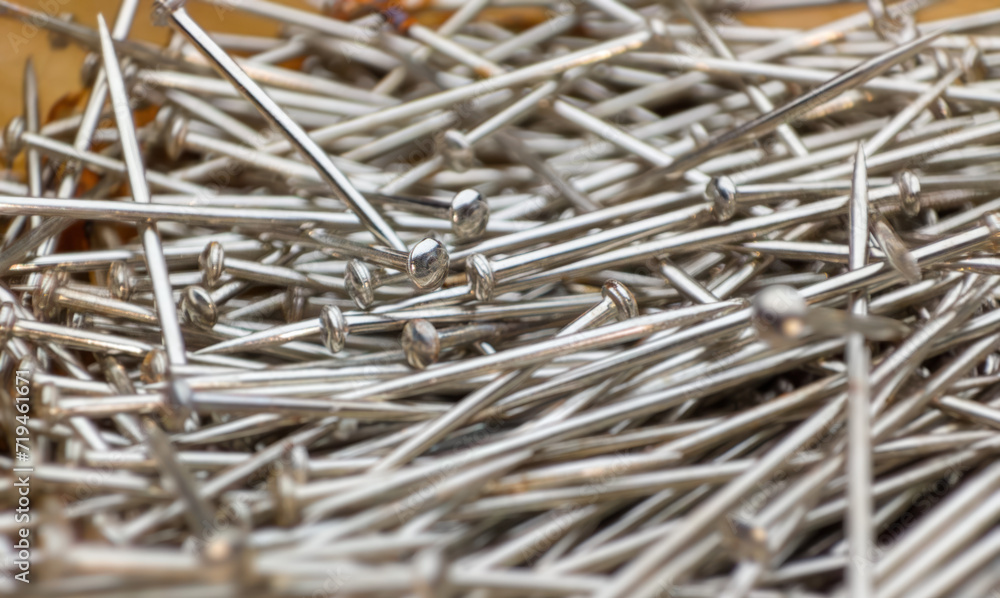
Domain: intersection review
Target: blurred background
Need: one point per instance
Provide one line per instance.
(58, 61)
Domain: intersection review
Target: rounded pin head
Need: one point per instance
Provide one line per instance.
(421, 343)
(779, 314)
(8, 318)
(909, 192)
(457, 151)
(430, 573)
(43, 302)
(898, 28)
(992, 222)
(427, 264)
(333, 328)
(28, 362)
(77, 320)
(943, 61)
(941, 109)
(662, 39)
(745, 539)
(199, 308)
(163, 119)
(174, 142)
(212, 263)
(721, 191)
(154, 366)
(298, 463)
(12, 137)
(120, 281)
(479, 271)
(469, 214)
(117, 375)
(345, 429)
(130, 73)
(180, 401)
(48, 402)
(89, 68)
(973, 63)
(622, 297)
(162, 9)
(282, 488)
(294, 305)
(360, 284)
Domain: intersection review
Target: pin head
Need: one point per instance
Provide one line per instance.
(974, 67)
(77, 320)
(174, 142)
(360, 284)
(294, 304)
(469, 214)
(282, 488)
(992, 222)
(333, 328)
(12, 138)
(212, 264)
(427, 264)
(117, 375)
(745, 539)
(163, 119)
(8, 318)
(430, 573)
(180, 403)
(898, 28)
(297, 463)
(457, 151)
(662, 39)
(163, 8)
(48, 402)
(28, 362)
(345, 429)
(479, 271)
(43, 302)
(721, 191)
(622, 297)
(130, 74)
(88, 70)
(941, 109)
(421, 343)
(909, 192)
(199, 308)
(779, 314)
(120, 281)
(154, 366)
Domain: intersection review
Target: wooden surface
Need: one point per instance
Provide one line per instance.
(59, 67)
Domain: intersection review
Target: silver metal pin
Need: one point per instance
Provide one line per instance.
(289, 128)
(173, 340)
